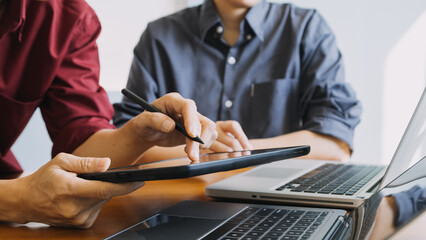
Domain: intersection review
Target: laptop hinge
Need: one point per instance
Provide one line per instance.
(375, 187)
(338, 230)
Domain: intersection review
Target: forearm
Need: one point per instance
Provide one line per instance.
(322, 146)
(121, 146)
(385, 219)
(161, 153)
(10, 201)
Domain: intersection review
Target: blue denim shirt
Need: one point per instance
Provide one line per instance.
(284, 74)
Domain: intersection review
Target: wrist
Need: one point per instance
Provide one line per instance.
(13, 201)
(130, 143)
(131, 134)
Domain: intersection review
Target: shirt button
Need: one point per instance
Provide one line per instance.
(219, 29)
(231, 60)
(249, 37)
(228, 103)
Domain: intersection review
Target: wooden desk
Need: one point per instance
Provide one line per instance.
(125, 211)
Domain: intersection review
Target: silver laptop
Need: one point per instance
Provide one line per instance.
(219, 220)
(322, 183)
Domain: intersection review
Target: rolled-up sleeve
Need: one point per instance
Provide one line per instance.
(410, 203)
(328, 104)
(75, 106)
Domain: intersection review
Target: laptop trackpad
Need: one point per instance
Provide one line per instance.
(169, 227)
(274, 172)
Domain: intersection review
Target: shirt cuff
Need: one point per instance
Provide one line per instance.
(329, 125)
(406, 202)
(77, 132)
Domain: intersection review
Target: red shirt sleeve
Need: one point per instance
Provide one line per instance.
(75, 106)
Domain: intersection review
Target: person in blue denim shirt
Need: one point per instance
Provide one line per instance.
(268, 71)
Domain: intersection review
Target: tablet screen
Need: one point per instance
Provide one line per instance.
(207, 157)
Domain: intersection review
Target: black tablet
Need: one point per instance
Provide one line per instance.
(209, 163)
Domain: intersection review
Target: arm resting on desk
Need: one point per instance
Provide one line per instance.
(322, 146)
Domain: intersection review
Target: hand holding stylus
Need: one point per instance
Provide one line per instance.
(164, 114)
(145, 105)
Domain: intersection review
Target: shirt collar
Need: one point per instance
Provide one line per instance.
(256, 16)
(209, 18)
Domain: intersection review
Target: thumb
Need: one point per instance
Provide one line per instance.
(76, 164)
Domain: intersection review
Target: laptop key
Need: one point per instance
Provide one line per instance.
(273, 234)
(296, 212)
(310, 216)
(307, 220)
(314, 227)
(306, 236)
(298, 228)
(294, 233)
(241, 230)
(235, 234)
(279, 229)
(264, 212)
(290, 238)
(254, 234)
(279, 213)
(303, 224)
(247, 225)
(256, 218)
(259, 229)
(313, 213)
(325, 191)
(252, 221)
(266, 225)
(284, 224)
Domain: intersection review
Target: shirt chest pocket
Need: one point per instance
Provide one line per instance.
(14, 117)
(270, 105)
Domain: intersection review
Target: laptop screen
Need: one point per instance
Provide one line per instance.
(412, 146)
(392, 207)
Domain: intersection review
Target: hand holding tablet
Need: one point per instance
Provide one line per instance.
(209, 163)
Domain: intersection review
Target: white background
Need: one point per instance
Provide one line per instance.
(383, 43)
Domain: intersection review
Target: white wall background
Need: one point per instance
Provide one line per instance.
(383, 43)
(122, 25)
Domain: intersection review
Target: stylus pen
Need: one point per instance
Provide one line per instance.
(151, 108)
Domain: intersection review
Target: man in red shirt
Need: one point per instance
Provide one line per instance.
(49, 59)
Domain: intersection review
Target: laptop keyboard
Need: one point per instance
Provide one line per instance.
(334, 179)
(269, 224)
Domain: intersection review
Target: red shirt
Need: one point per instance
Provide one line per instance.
(49, 59)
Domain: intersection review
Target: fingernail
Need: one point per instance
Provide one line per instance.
(195, 153)
(193, 131)
(167, 125)
(102, 163)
